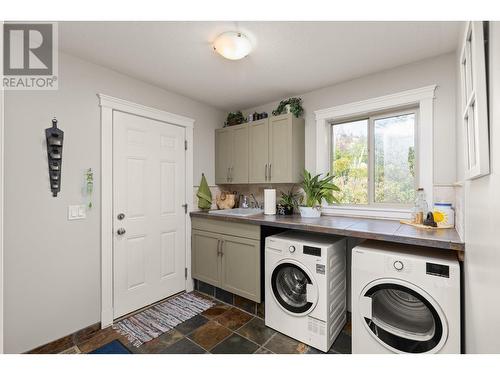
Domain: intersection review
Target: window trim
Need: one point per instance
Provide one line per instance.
(423, 98)
(371, 118)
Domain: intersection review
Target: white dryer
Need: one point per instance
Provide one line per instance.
(305, 286)
(405, 299)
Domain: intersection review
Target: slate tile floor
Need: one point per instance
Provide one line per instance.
(222, 329)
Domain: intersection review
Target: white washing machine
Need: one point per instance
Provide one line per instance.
(405, 299)
(305, 286)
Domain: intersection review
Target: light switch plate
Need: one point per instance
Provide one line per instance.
(77, 212)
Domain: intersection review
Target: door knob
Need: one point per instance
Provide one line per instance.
(120, 216)
(121, 231)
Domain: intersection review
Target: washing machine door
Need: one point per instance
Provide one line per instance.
(293, 287)
(403, 317)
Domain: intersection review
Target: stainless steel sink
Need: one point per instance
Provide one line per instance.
(237, 212)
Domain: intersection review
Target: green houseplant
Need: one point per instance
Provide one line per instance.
(295, 107)
(235, 118)
(317, 189)
(288, 202)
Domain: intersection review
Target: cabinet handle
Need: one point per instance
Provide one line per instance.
(266, 172)
(270, 168)
(231, 173)
(218, 247)
(221, 247)
(227, 175)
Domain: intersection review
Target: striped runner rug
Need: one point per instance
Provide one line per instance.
(152, 322)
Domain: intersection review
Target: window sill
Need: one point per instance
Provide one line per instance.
(368, 212)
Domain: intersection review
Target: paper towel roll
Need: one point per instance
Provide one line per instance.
(270, 201)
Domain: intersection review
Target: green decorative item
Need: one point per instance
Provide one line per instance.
(89, 186)
(316, 190)
(288, 202)
(295, 107)
(204, 194)
(235, 118)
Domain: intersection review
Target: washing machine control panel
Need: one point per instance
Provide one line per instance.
(398, 265)
(311, 250)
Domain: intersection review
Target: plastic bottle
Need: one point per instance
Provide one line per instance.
(421, 207)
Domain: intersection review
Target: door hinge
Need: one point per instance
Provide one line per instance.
(185, 205)
(185, 144)
(185, 273)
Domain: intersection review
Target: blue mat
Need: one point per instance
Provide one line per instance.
(114, 347)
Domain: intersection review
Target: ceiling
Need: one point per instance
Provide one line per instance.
(288, 57)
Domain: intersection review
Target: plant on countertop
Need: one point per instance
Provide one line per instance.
(295, 107)
(235, 118)
(290, 200)
(316, 189)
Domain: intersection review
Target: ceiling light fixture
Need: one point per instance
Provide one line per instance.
(232, 45)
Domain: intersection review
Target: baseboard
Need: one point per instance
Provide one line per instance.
(257, 309)
(66, 342)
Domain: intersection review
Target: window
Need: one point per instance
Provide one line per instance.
(373, 159)
(382, 149)
(474, 98)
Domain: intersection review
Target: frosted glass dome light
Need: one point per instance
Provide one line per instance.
(232, 45)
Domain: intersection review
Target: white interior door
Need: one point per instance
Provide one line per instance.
(149, 167)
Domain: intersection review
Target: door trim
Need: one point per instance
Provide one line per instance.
(2, 171)
(108, 105)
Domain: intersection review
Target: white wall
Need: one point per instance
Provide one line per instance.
(482, 221)
(439, 70)
(52, 265)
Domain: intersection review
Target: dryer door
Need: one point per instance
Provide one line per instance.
(402, 317)
(293, 287)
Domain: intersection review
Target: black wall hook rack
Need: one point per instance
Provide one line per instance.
(54, 137)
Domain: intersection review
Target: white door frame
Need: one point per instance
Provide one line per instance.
(2, 171)
(108, 105)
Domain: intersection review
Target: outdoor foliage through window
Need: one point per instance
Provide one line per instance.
(393, 157)
(350, 161)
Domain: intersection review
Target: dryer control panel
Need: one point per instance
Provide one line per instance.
(435, 269)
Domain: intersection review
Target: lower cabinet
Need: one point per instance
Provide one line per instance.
(240, 271)
(227, 261)
(205, 262)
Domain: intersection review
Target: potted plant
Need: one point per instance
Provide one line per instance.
(317, 189)
(288, 202)
(235, 118)
(294, 105)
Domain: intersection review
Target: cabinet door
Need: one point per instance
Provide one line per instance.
(205, 263)
(280, 149)
(240, 270)
(258, 151)
(238, 173)
(223, 155)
